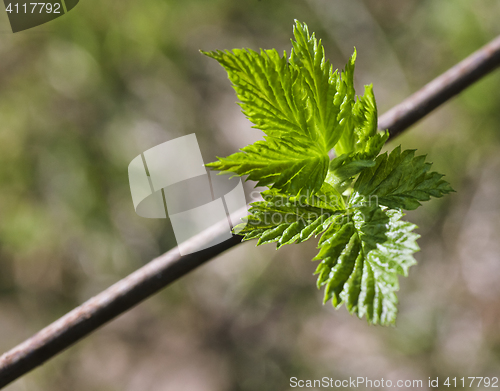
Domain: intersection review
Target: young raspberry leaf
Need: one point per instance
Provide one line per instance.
(361, 260)
(287, 166)
(344, 168)
(287, 220)
(401, 180)
(297, 103)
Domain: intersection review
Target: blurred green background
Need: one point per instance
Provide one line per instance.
(81, 96)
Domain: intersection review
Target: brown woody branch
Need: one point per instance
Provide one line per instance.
(441, 89)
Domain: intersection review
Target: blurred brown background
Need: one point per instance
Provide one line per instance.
(80, 97)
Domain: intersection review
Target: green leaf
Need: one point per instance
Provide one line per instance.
(271, 93)
(285, 220)
(344, 168)
(298, 104)
(321, 81)
(344, 98)
(359, 121)
(328, 197)
(361, 259)
(401, 180)
(282, 163)
(360, 142)
(365, 117)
